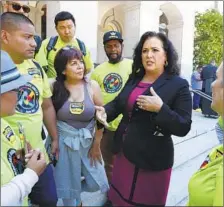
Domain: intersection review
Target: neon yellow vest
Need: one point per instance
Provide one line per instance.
(28, 109)
(206, 185)
(10, 165)
(111, 79)
(41, 57)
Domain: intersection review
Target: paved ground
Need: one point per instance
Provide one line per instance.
(189, 154)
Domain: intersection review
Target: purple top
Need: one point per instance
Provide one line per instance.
(138, 90)
(78, 114)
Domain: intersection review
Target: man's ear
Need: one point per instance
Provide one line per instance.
(4, 37)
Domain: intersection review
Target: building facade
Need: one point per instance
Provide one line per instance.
(131, 18)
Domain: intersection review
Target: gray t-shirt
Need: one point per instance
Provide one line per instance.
(78, 114)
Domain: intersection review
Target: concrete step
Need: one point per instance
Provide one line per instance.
(188, 158)
(191, 148)
(200, 125)
(178, 191)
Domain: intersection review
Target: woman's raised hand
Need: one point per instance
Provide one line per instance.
(101, 115)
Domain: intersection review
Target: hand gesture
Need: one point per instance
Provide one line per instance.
(150, 103)
(55, 148)
(101, 115)
(28, 147)
(37, 162)
(95, 154)
(20, 154)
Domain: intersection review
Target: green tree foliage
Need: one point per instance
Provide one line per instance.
(208, 37)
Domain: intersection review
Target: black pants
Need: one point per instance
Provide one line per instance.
(44, 191)
(206, 106)
(196, 101)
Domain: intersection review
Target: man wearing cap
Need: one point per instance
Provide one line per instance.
(34, 98)
(16, 180)
(111, 76)
(65, 26)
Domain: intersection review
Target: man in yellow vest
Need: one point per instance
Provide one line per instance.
(65, 26)
(34, 98)
(206, 185)
(21, 7)
(16, 180)
(111, 77)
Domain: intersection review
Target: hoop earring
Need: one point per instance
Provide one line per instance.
(166, 63)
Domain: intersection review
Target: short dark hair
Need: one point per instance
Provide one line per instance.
(11, 21)
(172, 56)
(62, 16)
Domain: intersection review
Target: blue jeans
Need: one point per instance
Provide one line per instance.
(44, 191)
(196, 100)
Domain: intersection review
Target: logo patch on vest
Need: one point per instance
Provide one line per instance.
(112, 83)
(28, 99)
(35, 72)
(9, 134)
(15, 163)
(208, 160)
(76, 107)
(205, 163)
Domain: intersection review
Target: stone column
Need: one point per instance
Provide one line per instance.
(101, 56)
(149, 16)
(31, 15)
(139, 17)
(38, 23)
(131, 27)
(175, 34)
(1, 7)
(187, 47)
(53, 7)
(85, 14)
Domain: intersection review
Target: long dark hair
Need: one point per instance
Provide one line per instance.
(172, 56)
(60, 92)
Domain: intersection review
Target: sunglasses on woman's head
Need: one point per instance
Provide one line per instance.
(17, 7)
(67, 48)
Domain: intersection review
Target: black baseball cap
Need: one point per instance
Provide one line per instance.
(112, 35)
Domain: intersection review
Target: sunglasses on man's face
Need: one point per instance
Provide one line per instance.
(17, 7)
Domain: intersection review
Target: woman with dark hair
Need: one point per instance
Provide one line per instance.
(156, 103)
(74, 99)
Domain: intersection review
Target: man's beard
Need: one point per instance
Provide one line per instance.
(114, 60)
